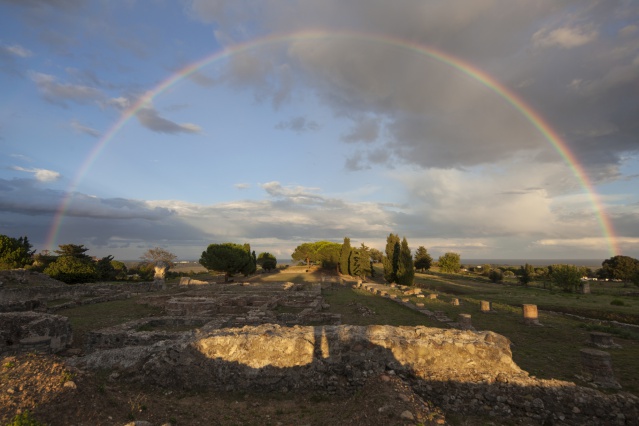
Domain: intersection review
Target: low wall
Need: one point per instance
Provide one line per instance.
(23, 332)
(75, 291)
(462, 371)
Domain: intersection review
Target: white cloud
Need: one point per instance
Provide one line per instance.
(81, 128)
(17, 50)
(565, 37)
(42, 175)
(242, 186)
(56, 92)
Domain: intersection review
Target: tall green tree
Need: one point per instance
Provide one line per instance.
(229, 258)
(567, 277)
(423, 260)
(360, 262)
(345, 257)
(622, 268)
(104, 269)
(391, 258)
(267, 261)
(526, 274)
(73, 250)
(72, 265)
(15, 252)
(324, 253)
(405, 267)
(449, 263)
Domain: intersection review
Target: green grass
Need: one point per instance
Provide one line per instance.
(93, 317)
(387, 311)
(596, 305)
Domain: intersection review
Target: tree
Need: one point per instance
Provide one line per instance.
(73, 250)
(120, 269)
(391, 258)
(526, 274)
(229, 258)
(325, 253)
(405, 268)
(622, 268)
(72, 270)
(496, 276)
(360, 261)
(344, 257)
(449, 262)
(567, 277)
(267, 261)
(15, 252)
(303, 252)
(251, 265)
(376, 255)
(423, 260)
(158, 254)
(104, 269)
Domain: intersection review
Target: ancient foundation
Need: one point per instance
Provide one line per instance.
(24, 332)
(597, 367)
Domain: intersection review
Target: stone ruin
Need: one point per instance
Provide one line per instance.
(460, 371)
(25, 332)
(221, 306)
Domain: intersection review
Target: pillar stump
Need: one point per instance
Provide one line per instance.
(597, 366)
(455, 302)
(464, 321)
(432, 296)
(602, 340)
(585, 287)
(531, 316)
(484, 306)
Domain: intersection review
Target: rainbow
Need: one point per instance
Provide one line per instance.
(534, 117)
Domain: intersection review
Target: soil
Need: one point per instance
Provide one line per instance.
(55, 394)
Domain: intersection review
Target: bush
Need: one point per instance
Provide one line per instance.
(617, 302)
(496, 276)
(72, 270)
(24, 419)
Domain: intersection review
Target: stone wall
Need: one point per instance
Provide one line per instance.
(23, 332)
(74, 291)
(462, 371)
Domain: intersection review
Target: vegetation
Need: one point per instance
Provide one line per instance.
(229, 258)
(324, 253)
(423, 260)
(405, 267)
(449, 263)
(360, 262)
(345, 257)
(267, 261)
(568, 277)
(158, 254)
(391, 258)
(15, 252)
(623, 268)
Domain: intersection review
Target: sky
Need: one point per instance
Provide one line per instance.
(496, 129)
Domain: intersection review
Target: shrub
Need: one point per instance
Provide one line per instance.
(617, 302)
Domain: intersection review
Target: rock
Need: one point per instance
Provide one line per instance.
(69, 385)
(407, 415)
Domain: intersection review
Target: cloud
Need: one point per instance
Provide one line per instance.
(41, 175)
(151, 119)
(565, 37)
(298, 124)
(80, 128)
(59, 93)
(16, 50)
(242, 186)
(366, 130)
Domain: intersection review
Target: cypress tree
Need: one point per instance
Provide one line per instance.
(391, 258)
(344, 257)
(405, 269)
